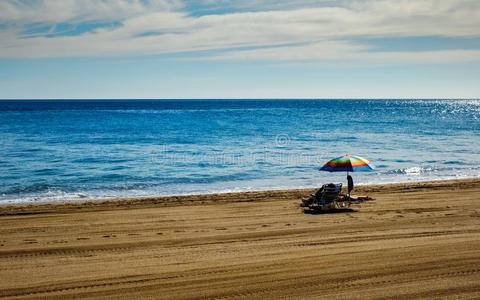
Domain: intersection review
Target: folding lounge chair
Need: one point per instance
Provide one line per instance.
(327, 198)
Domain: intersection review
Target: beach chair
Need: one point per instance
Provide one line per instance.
(327, 198)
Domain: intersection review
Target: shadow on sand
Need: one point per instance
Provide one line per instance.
(330, 211)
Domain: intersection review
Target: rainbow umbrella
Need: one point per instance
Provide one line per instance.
(348, 163)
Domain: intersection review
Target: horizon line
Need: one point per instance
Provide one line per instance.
(219, 99)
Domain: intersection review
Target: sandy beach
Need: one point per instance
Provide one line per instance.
(416, 240)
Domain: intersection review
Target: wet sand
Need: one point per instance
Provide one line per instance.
(418, 240)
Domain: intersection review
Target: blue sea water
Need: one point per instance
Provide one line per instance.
(68, 150)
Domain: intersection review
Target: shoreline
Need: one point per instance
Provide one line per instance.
(215, 197)
(81, 197)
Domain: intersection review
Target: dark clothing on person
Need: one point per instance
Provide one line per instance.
(318, 193)
(350, 184)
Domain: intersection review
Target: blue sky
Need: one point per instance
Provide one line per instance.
(239, 49)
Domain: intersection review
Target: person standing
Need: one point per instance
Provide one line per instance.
(350, 184)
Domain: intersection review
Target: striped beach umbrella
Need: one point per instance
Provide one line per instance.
(348, 163)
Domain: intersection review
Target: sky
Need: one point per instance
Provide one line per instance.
(169, 49)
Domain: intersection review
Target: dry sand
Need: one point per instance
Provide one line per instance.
(415, 241)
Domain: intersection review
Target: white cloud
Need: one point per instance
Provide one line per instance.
(56, 11)
(315, 33)
(345, 52)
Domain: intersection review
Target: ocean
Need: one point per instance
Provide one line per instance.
(85, 149)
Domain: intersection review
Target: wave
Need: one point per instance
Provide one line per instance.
(31, 188)
(411, 170)
(417, 170)
(117, 182)
(454, 162)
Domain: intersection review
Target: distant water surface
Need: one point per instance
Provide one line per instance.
(56, 150)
